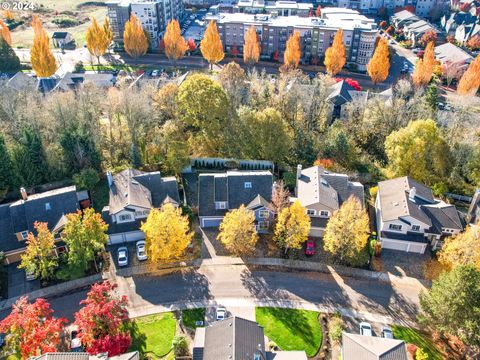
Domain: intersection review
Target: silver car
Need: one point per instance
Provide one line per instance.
(141, 250)
(122, 253)
(387, 333)
(366, 329)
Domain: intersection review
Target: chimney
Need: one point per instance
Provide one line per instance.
(23, 192)
(109, 178)
(299, 171)
(412, 193)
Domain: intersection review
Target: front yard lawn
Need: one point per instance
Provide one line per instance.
(412, 336)
(153, 334)
(291, 329)
(191, 316)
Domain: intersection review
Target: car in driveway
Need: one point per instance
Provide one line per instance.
(141, 250)
(387, 333)
(221, 313)
(366, 329)
(310, 247)
(122, 256)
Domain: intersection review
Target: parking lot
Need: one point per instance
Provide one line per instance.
(194, 26)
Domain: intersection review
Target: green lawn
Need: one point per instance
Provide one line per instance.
(190, 316)
(412, 336)
(291, 329)
(153, 334)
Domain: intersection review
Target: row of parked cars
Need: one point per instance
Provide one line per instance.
(366, 330)
(140, 250)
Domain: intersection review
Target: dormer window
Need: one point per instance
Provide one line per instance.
(24, 235)
(247, 185)
(220, 205)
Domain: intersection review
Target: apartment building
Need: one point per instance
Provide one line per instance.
(281, 8)
(316, 34)
(153, 14)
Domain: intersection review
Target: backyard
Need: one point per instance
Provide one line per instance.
(291, 329)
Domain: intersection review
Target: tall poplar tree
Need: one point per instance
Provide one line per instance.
(424, 67)
(211, 45)
(5, 33)
(470, 80)
(335, 56)
(292, 54)
(97, 39)
(379, 64)
(175, 45)
(41, 56)
(251, 47)
(134, 39)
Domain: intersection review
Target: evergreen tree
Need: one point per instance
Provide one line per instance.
(7, 175)
(135, 156)
(79, 150)
(10, 61)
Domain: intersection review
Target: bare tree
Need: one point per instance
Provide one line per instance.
(280, 197)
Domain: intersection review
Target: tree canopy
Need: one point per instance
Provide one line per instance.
(335, 55)
(175, 45)
(237, 231)
(134, 38)
(379, 64)
(211, 45)
(292, 228)
(251, 47)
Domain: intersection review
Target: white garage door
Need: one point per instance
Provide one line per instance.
(207, 223)
(134, 236)
(115, 239)
(394, 245)
(417, 248)
(316, 232)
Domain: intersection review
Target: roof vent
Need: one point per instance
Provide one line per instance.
(395, 203)
(126, 194)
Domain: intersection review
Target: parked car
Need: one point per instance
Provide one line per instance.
(392, 42)
(155, 73)
(75, 343)
(141, 251)
(310, 248)
(441, 106)
(221, 313)
(387, 333)
(366, 329)
(122, 253)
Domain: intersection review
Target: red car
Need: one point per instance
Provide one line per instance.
(310, 248)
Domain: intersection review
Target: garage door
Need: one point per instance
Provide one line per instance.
(316, 232)
(134, 236)
(116, 239)
(417, 248)
(207, 223)
(394, 245)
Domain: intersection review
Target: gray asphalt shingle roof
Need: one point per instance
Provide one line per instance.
(360, 347)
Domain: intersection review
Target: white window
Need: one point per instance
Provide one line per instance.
(311, 212)
(263, 225)
(415, 228)
(24, 234)
(247, 185)
(395, 227)
(324, 213)
(220, 205)
(125, 217)
(264, 214)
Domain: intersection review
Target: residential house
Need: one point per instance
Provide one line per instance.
(72, 81)
(17, 219)
(61, 39)
(322, 192)
(356, 346)
(236, 339)
(452, 55)
(413, 26)
(220, 192)
(132, 194)
(473, 215)
(403, 18)
(462, 25)
(409, 218)
(134, 355)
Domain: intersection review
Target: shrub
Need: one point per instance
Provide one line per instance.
(65, 22)
(373, 192)
(180, 345)
(420, 354)
(86, 179)
(79, 67)
(335, 328)
(412, 349)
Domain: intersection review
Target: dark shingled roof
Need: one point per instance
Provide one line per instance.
(230, 186)
(59, 35)
(233, 338)
(444, 217)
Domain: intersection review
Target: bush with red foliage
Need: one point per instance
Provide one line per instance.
(234, 51)
(353, 83)
(390, 30)
(412, 349)
(383, 24)
(113, 345)
(191, 44)
(465, 7)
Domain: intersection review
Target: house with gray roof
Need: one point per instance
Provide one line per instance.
(322, 192)
(72, 81)
(17, 219)
(220, 192)
(462, 25)
(361, 347)
(409, 218)
(451, 54)
(132, 194)
(236, 339)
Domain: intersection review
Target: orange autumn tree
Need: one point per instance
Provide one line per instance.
(211, 45)
(335, 56)
(318, 12)
(41, 57)
(8, 14)
(175, 45)
(134, 39)
(470, 81)
(251, 47)
(292, 54)
(97, 39)
(424, 67)
(5, 33)
(379, 64)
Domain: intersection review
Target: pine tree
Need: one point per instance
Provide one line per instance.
(7, 174)
(470, 81)
(10, 62)
(379, 64)
(97, 39)
(211, 45)
(335, 56)
(134, 38)
(175, 45)
(251, 48)
(41, 57)
(5, 33)
(291, 57)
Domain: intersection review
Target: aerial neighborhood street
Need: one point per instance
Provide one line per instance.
(243, 180)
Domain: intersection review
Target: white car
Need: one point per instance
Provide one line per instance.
(365, 329)
(221, 313)
(155, 73)
(141, 251)
(387, 332)
(122, 253)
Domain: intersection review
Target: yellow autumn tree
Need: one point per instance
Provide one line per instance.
(291, 57)
(175, 44)
(462, 249)
(211, 45)
(470, 80)
(41, 57)
(134, 39)
(251, 47)
(347, 233)
(292, 227)
(336, 55)
(379, 64)
(97, 39)
(237, 231)
(424, 67)
(107, 29)
(5, 33)
(8, 14)
(167, 233)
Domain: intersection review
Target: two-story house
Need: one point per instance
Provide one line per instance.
(409, 218)
(220, 192)
(322, 192)
(17, 219)
(132, 194)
